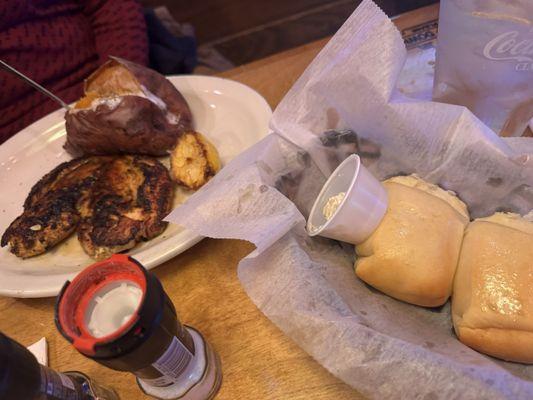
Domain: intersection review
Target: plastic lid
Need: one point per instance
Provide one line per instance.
(101, 303)
(112, 307)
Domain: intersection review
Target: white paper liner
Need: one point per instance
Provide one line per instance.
(384, 348)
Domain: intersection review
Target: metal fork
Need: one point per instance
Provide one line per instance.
(34, 84)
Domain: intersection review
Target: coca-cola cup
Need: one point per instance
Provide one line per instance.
(485, 61)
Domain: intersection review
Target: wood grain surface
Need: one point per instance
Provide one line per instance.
(259, 361)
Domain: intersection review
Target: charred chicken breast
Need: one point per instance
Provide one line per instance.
(126, 205)
(50, 210)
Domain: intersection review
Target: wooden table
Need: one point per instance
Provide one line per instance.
(259, 361)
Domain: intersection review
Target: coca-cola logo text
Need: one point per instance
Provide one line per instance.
(509, 46)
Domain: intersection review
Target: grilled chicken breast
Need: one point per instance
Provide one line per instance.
(50, 210)
(126, 205)
(113, 202)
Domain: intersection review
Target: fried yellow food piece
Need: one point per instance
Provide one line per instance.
(194, 160)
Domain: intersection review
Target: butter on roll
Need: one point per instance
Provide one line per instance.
(412, 255)
(492, 303)
(332, 204)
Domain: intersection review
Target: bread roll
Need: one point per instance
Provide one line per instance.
(412, 255)
(492, 303)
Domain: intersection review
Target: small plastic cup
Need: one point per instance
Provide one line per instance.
(361, 210)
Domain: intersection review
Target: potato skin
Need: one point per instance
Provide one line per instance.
(136, 125)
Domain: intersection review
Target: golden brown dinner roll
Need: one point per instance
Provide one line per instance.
(412, 255)
(492, 303)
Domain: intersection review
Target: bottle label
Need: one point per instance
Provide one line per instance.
(66, 381)
(171, 364)
(58, 386)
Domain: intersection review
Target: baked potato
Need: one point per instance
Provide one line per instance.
(193, 161)
(127, 108)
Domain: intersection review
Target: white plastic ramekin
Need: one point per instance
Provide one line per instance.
(361, 210)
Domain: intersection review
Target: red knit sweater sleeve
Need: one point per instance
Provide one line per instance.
(119, 29)
(59, 43)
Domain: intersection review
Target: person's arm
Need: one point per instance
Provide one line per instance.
(119, 29)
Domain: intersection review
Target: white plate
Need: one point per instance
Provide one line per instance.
(230, 114)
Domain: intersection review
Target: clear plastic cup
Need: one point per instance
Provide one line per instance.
(361, 210)
(485, 61)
